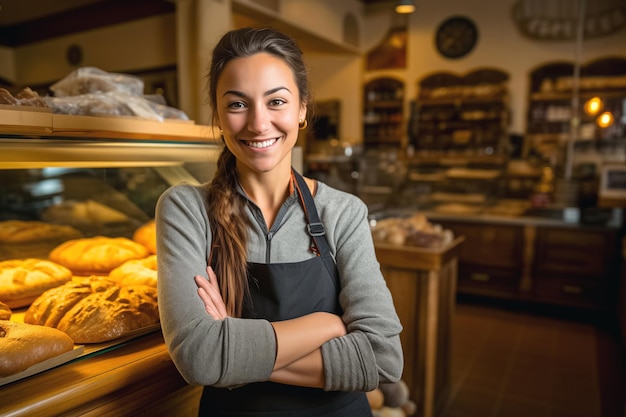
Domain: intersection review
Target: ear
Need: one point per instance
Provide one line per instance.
(302, 113)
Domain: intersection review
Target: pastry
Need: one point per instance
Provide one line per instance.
(136, 272)
(95, 309)
(146, 235)
(23, 280)
(21, 231)
(97, 255)
(23, 345)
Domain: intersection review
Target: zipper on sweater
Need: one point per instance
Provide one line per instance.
(268, 239)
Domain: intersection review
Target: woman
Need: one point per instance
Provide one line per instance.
(275, 311)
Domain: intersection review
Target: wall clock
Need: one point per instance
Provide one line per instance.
(456, 37)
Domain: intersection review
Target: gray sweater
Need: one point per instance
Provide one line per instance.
(235, 351)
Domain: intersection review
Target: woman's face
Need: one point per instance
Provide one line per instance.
(258, 107)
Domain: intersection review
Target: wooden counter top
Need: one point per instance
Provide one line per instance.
(133, 378)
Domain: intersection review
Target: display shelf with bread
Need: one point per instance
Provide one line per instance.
(78, 258)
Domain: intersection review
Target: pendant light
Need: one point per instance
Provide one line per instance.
(405, 6)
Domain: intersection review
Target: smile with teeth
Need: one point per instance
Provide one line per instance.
(261, 144)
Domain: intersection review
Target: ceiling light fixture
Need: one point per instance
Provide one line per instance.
(405, 7)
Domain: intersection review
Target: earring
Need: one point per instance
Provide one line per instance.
(221, 132)
(302, 124)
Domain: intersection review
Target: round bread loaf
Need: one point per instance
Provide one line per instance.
(97, 255)
(23, 280)
(23, 345)
(146, 235)
(95, 309)
(136, 272)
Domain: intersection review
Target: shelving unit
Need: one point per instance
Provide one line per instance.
(459, 134)
(461, 114)
(553, 111)
(383, 113)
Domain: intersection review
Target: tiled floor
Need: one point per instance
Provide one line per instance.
(513, 363)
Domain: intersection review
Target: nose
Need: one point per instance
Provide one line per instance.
(258, 119)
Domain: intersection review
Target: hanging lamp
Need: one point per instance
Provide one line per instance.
(405, 6)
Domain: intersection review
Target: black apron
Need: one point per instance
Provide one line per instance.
(284, 291)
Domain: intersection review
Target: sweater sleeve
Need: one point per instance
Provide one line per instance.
(222, 353)
(371, 352)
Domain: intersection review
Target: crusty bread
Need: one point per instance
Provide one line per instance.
(146, 235)
(136, 272)
(95, 309)
(22, 231)
(97, 255)
(53, 305)
(23, 345)
(111, 314)
(23, 280)
(5, 311)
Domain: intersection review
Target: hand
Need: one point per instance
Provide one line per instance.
(209, 292)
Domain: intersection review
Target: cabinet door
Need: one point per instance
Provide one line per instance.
(488, 281)
(584, 253)
(575, 267)
(490, 245)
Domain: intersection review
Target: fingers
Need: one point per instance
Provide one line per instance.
(209, 292)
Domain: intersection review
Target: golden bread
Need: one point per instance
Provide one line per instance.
(23, 345)
(97, 255)
(136, 272)
(95, 309)
(111, 314)
(22, 231)
(23, 280)
(146, 235)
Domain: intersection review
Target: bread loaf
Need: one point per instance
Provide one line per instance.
(146, 235)
(96, 255)
(23, 280)
(95, 309)
(23, 345)
(136, 272)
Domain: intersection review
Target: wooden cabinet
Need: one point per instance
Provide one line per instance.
(383, 113)
(576, 266)
(573, 266)
(490, 261)
(422, 282)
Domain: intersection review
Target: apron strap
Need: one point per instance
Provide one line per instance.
(315, 227)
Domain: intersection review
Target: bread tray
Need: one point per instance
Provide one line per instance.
(97, 347)
(18, 315)
(44, 365)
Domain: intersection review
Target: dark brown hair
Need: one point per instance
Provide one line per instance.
(226, 207)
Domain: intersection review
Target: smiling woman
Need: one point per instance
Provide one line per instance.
(251, 266)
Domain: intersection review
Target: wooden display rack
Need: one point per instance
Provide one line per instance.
(42, 122)
(422, 282)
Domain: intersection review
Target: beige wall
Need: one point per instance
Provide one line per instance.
(499, 45)
(142, 44)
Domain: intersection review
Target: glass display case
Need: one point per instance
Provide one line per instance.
(100, 186)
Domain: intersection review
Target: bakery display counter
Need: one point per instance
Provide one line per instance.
(423, 285)
(553, 260)
(134, 378)
(102, 178)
